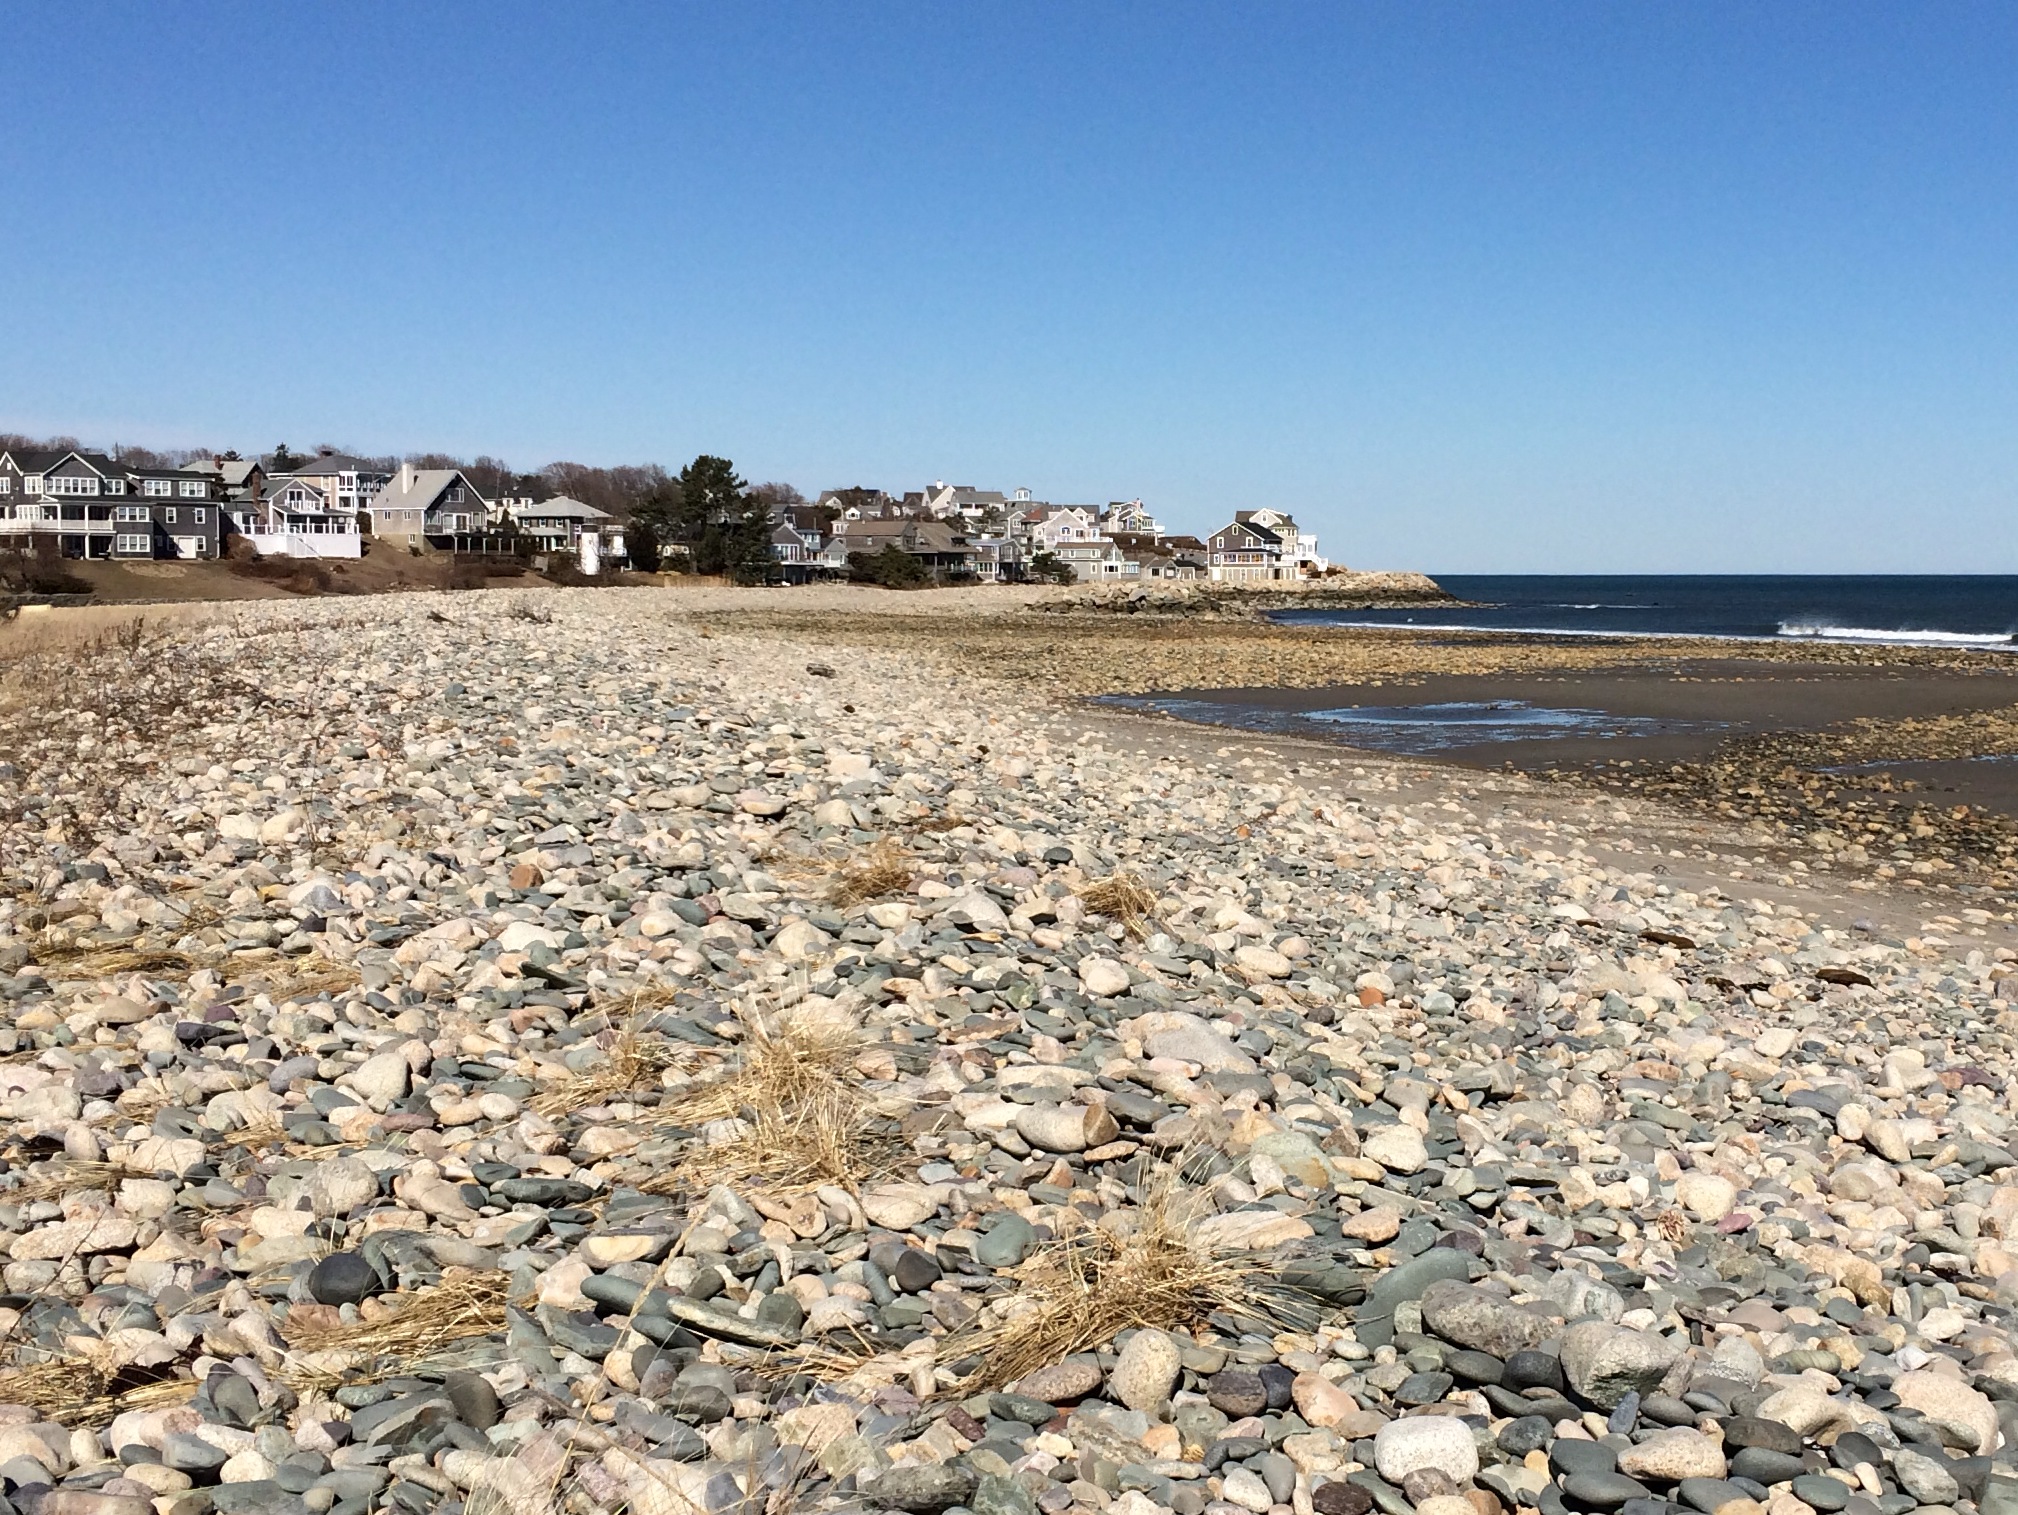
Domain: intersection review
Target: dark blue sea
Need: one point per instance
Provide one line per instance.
(1959, 610)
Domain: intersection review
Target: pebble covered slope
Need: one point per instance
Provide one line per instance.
(511, 1055)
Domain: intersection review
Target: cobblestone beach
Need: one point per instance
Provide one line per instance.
(582, 1052)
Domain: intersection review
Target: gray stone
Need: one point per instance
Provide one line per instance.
(1006, 1243)
(924, 1490)
(1485, 1322)
(1926, 1478)
(1605, 1363)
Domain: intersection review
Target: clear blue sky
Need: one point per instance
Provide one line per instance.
(1495, 287)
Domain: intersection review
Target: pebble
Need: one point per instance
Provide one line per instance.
(1441, 1442)
(1146, 1371)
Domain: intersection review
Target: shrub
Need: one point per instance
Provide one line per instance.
(893, 568)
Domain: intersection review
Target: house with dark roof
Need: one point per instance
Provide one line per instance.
(93, 506)
(1246, 552)
(348, 482)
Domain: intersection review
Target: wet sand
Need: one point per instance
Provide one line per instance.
(1687, 710)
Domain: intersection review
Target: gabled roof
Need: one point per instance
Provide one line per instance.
(1260, 533)
(422, 489)
(559, 508)
(233, 473)
(35, 462)
(338, 462)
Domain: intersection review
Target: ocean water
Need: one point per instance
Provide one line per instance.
(1960, 610)
(1417, 730)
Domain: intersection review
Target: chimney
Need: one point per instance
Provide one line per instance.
(405, 477)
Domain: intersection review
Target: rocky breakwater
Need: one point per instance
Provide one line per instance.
(1345, 590)
(585, 1065)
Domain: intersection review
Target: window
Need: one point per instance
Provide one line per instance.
(195, 489)
(70, 486)
(31, 483)
(115, 486)
(136, 544)
(6, 484)
(168, 515)
(199, 515)
(156, 488)
(129, 513)
(455, 495)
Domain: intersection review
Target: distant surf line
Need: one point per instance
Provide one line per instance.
(1788, 632)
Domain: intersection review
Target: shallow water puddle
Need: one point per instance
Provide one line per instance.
(1423, 730)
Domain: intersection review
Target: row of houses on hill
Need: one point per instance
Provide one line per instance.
(90, 505)
(958, 531)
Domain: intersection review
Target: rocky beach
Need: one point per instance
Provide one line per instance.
(665, 1051)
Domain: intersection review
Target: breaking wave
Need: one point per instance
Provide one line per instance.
(1872, 634)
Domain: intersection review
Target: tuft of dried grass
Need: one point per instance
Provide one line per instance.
(75, 1391)
(1077, 1292)
(305, 978)
(798, 1116)
(464, 1304)
(1124, 898)
(72, 1177)
(635, 1059)
(91, 961)
(882, 869)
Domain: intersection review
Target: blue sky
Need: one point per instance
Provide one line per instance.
(1541, 288)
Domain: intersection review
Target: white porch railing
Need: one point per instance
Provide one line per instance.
(51, 525)
(306, 542)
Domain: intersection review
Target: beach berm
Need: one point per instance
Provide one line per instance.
(458, 1058)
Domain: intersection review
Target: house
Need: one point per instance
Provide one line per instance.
(1158, 557)
(860, 503)
(348, 483)
(1245, 552)
(797, 552)
(1064, 523)
(1098, 561)
(558, 524)
(943, 501)
(940, 546)
(93, 506)
(297, 518)
(437, 507)
(997, 559)
(241, 479)
(1299, 548)
(1129, 516)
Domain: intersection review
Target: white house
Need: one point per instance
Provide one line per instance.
(1064, 523)
(297, 518)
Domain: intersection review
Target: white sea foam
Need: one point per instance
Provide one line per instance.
(1872, 634)
(1791, 629)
